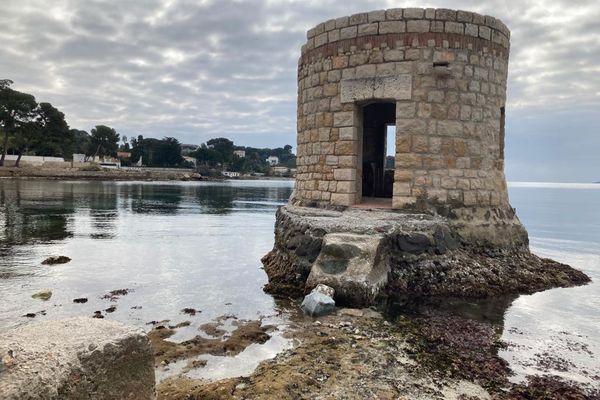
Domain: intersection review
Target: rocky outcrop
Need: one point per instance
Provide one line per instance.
(78, 358)
(354, 265)
(367, 254)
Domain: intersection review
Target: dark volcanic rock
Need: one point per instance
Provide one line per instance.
(113, 295)
(80, 300)
(56, 260)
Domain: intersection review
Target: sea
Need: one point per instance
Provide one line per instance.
(176, 245)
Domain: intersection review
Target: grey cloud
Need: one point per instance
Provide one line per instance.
(199, 69)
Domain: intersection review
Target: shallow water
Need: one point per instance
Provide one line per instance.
(175, 245)
(199, 245)
(558, 328)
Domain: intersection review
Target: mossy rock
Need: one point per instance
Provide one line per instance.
(42, 295)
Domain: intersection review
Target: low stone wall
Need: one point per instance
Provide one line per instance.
(368, 254)
(104, 174)
(78, 358)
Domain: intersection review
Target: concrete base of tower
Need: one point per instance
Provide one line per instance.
(366, 255)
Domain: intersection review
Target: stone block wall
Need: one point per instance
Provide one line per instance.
(446, 72)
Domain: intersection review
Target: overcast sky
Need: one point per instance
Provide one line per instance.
(198, 69)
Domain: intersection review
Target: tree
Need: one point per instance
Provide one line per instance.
(223, 147)
(125, 145)
(27, 135)
(105, 141)
(17, 109)
(58, 138)
(157, 153)
(168, 153)
(136, 149)
(207, 156)
(82, 142)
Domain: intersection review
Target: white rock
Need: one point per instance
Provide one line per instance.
(77, 358)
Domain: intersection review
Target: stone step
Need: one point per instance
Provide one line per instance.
(355, 265)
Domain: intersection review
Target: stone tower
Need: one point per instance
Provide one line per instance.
(438, 76)
(434, 222)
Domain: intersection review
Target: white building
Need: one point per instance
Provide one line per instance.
(273, 160)
(190, 159)
(280, 170)
(240, 153)
(187, 149)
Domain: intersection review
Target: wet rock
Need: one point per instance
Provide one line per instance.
(190, 311)
(354, 265)
(351, 312)
(56, 260)
(317, 304)
(103, 360)
(80, 300)
(111, 309)
(424, 256)
(180, 325)
(113, 295)
(245, 334)
(42, 295)
(416, 243)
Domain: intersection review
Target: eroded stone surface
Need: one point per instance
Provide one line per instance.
(78, 358)
(425, 255)
(356, 266)
(387, 87)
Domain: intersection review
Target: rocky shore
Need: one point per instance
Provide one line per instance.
(410, 255)
(77, 358)
(359, 354)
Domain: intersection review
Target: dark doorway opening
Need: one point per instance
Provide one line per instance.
(377, 170)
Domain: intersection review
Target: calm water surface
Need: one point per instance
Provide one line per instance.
(563, 221)
(199, 245)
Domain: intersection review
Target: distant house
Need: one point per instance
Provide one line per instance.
(240, 153)
(273, 160)
(231, 174)
(104, 161)
(190, 160)
(280, 170)
(187, 149)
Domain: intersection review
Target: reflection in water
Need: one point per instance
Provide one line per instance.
(176, 245)
(29, 215)
(151, 199)
(102, 205)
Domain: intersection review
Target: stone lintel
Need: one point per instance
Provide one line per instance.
(396, 87)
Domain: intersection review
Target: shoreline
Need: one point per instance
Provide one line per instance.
(147, 174)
